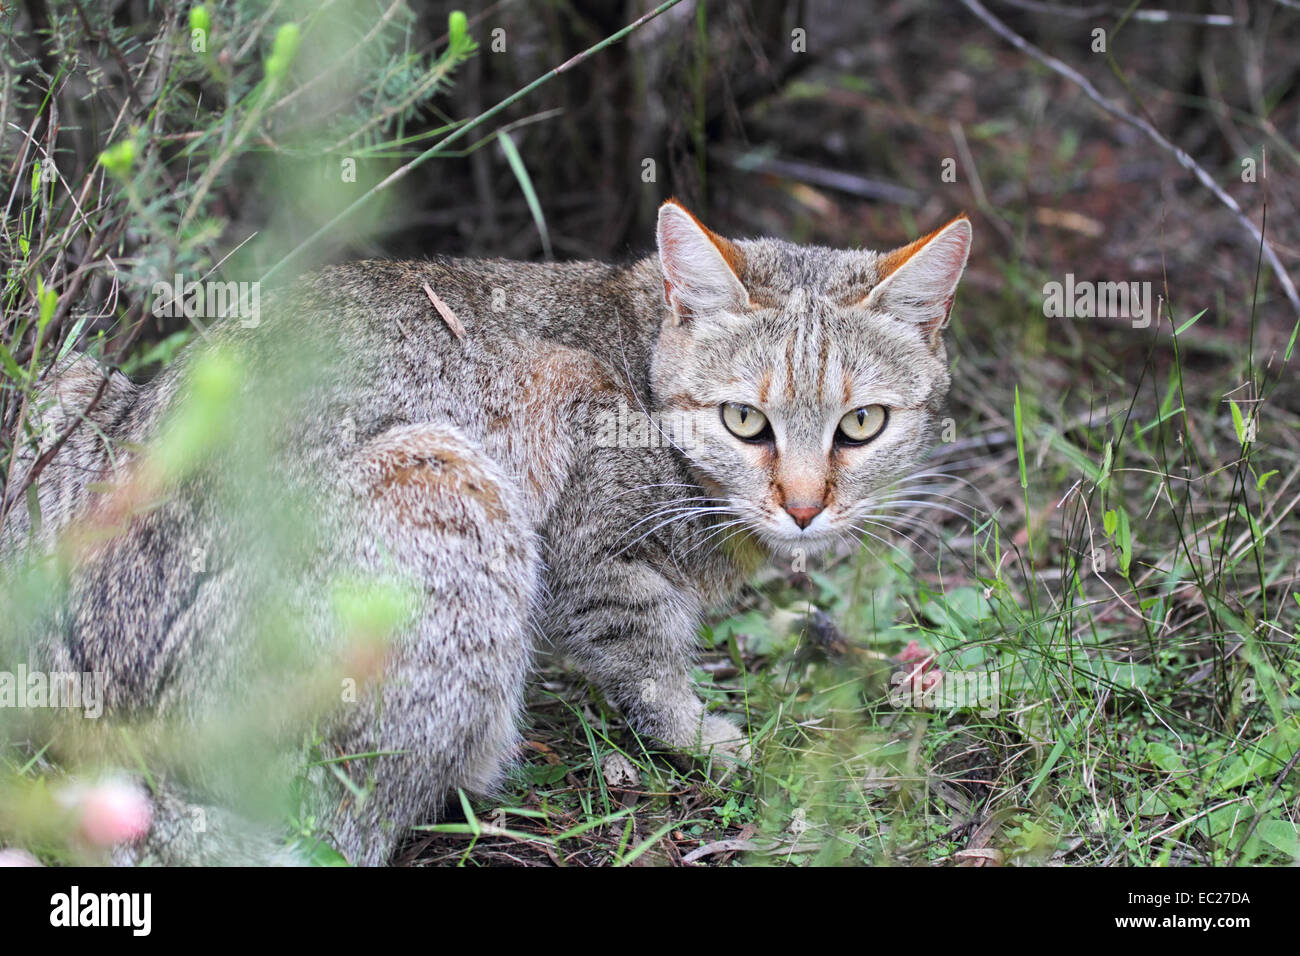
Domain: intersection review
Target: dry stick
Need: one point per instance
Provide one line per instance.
(1150, 16)
(457, 134)
(1184, 160)
(39, 465)
(444, 310)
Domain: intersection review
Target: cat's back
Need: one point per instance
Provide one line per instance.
(486, 302)
(517, 356)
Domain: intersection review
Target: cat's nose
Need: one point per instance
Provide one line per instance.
(803, 516)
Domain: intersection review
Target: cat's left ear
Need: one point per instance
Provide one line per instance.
(917, 283)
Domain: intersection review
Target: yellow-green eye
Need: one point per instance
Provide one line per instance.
(743, 421)
(863, 424)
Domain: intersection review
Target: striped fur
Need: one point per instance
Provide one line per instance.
(468, 462)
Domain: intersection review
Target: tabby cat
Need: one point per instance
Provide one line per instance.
(580, 457)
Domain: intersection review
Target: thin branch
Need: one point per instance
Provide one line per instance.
(12, 494)
(1184, 160)
(1147, 16)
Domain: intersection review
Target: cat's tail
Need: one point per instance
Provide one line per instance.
(183, 832)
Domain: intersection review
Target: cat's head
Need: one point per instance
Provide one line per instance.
(810, 378)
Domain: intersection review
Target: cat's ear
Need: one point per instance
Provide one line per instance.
(917, 282)
(701, 269)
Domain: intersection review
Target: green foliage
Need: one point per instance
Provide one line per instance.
(200, 128)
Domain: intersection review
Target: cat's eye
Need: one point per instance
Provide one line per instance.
(744, 421)
(862, 424)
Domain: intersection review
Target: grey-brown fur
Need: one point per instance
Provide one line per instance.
(470, 467)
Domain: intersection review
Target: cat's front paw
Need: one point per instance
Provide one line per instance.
(726, 743)
(691, 731)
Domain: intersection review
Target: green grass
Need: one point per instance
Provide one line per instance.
(1141, 628)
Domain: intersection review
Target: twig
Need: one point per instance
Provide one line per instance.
(444, 310)
(850, 183)
(719, 846)
(1184, 160)
(1149, 16)
(977, 184)
(48, 455)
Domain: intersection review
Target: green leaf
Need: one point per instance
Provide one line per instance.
(956, 611)
(1107, 462)
(1153, 803)
(1124, 542)
(322, 854)
(1238, 423)
(1189, 323)
(762, 638)
(10, 365)
(526, 184)
(545, 774)
(119, 158)
(34, 507)
(48, 300)
(283, 49)
(1164, 416)
(1166, 758)
(1020, 442)
(1116, 525)
(457, 26)
(1256, 764)
(71, 340)
(1280, 834)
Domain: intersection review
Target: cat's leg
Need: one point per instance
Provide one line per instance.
(633, 632)
(437, 510)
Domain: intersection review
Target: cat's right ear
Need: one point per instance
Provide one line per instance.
(701, 269)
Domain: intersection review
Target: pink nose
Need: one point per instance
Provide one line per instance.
(803, 516)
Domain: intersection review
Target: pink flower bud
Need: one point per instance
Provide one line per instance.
(914, 652)
(113, 812)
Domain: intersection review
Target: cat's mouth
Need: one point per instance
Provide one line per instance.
(783, 534)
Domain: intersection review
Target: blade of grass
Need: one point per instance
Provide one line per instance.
(526, 184)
